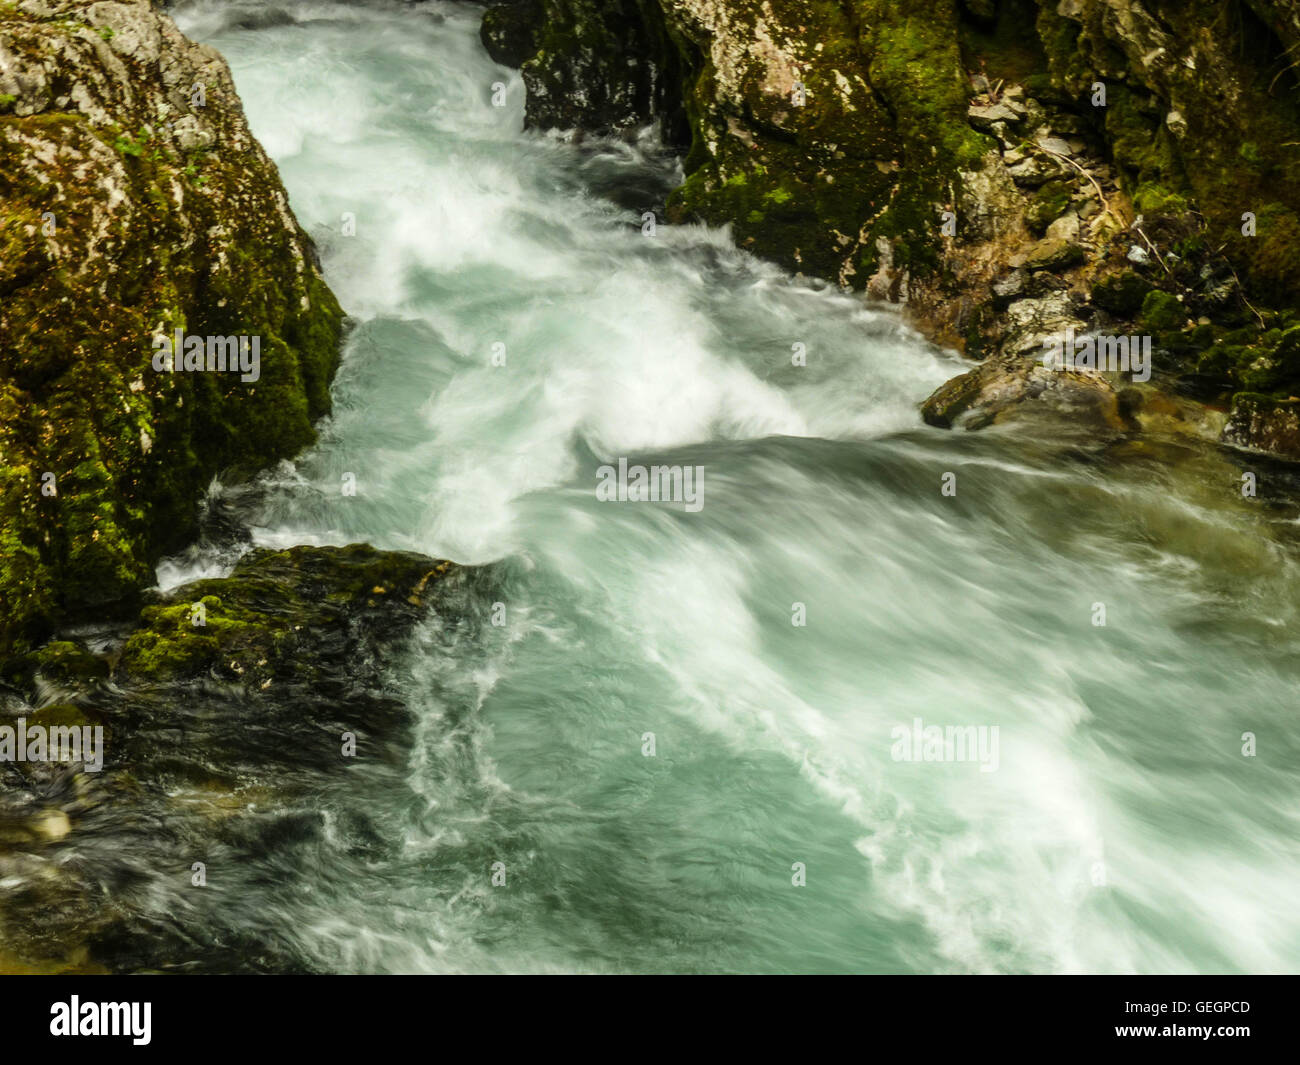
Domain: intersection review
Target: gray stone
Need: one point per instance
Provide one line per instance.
(984, 117)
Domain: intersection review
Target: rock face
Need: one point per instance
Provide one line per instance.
(820, 132)
(135, 203)
(994, 166)
(598, 65)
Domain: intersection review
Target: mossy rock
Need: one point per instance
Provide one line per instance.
(61, 662)
(1048, 204)
(1054, 254)
(1121, 294)
(253, 626)
(1161, 312)
(1265, 423)
(1273, 365)
(1150, 198)
(66, 715)
(882, 142)
(118, 229)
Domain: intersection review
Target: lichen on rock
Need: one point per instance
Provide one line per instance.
(135, 202)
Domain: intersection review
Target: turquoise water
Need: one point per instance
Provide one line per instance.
(1122, 829)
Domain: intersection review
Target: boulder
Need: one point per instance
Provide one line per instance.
(1010, 386)
(1264, 423)
(134, 202)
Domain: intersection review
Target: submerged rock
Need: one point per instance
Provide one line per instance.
(135, 203)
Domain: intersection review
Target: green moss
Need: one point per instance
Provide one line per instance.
(1002, 41)
(876, 143)
(1048, 204)
(1161, 312)
(1236, 149)
(64, 715)
(1152, 198)
(60, 662)
(128, 144)
(1273, 364)
(131, 451)
(252, 621)
(916, 63)
(1272, 256)
(1121, 294)
(170, 643)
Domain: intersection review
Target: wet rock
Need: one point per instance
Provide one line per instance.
(1031, 321)
(221, 740)
(830, 140)
(1169, 415)
(1016, 386)
(63, 663)
(52, 824)
(508, 31)
(1264, 423)
(604, 67)
(278, 612)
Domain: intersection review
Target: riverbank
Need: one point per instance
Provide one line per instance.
(1005, 171)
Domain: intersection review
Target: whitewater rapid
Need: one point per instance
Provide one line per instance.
(514, 329)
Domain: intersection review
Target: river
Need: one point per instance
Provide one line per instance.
(681, 747)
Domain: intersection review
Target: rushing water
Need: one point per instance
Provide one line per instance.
(1122, 830)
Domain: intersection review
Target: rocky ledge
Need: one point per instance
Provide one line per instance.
(134, 203)
(222, 708)
(1006, 169)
